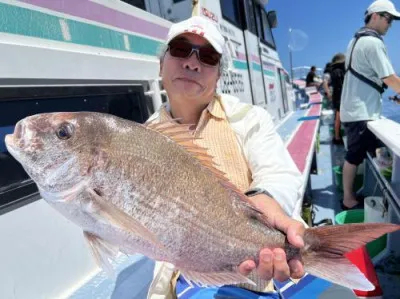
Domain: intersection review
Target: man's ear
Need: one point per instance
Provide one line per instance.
(216, 82)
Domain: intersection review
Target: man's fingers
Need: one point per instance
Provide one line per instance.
(294, 234)
(265, 268)
(296, 269)
(293, 229)
(273, 264)
(281, 267)
(246, 267)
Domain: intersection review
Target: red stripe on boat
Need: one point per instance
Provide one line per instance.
(300, 145)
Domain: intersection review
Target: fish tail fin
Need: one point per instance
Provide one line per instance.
(323, 254)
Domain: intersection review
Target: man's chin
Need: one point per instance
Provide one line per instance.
(192, 96)
(189, 90)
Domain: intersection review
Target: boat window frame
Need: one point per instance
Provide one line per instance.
(237, 23)
(251, 23)
(284, 91)
(259, 25)
(143, 4)
(265, 25)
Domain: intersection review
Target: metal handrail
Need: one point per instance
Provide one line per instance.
(386, 188)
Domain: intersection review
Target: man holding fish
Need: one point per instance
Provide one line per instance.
(175, 189)
(240, 137)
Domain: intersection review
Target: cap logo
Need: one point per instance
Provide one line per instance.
(195, 31)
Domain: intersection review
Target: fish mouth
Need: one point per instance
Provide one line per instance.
(13, 147)
(10, 142)
(15, 141)
(19, 129)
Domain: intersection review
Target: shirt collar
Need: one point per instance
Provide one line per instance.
(214, 108)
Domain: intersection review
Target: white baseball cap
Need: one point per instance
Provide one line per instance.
(200, 26)
(383, 6)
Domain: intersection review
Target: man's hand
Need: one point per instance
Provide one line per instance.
(272, 262)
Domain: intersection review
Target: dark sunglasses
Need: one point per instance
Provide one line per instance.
(388, 18)
(206, 54)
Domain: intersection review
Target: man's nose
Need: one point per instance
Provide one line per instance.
(192, 62)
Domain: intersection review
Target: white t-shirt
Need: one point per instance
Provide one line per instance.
(327, 77)
(359, 100)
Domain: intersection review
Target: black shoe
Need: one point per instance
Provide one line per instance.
(360, 205)
(337, 141)
(360, 198)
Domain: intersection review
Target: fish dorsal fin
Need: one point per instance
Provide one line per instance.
(181, 134)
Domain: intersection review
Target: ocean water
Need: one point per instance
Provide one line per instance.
(391, 110)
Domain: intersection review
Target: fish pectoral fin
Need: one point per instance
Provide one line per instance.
(216, 279)
(119, 218)
(103, 252)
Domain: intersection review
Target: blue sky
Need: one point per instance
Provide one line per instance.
(329, 25)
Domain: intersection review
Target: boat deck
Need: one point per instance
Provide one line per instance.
(325, 195)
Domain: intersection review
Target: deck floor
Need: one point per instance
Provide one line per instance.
(133, 275)
(325, 194)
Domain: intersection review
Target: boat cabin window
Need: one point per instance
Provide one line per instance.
(137, 3)
(257, 11)
(267, 36)
(16, 188)
(250, 16)
(231, 11)
(287, 78)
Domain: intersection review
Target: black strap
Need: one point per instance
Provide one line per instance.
(365, 32)
(257, 191)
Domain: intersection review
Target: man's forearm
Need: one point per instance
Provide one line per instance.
(326, 88)
(393, 82)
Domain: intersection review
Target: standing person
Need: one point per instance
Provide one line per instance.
(369, 71)
(312, 78)
(337, 77)
(326, 83)
(241, 138)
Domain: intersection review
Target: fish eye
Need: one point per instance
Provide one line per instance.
(65, 131)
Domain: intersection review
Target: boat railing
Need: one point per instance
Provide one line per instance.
(377, 184)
